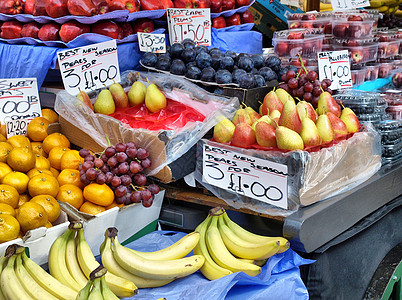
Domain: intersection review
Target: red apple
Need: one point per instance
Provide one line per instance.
(355, 18)
(233, 20)
(295, 36)
(307, 25)
(201, 3)
(11, 7)
(216, 6)
(228, 4)
(49, 32)
(240, 3)
(183, 3)
(218, 22)
(351, 43)
(282, 48)
(84, 8)
(71, 29)
(39, 8)
(28, 7)
(295, 25)
(143, 25)
(11, 29)
(130, 5)
(127, 29)
(108, 28)
(308, 17)
(30, 29)
(339, 30)
(101, 6)
(247, 17)
(56, 8)
(357, 55)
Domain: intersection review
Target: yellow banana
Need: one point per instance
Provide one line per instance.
(57, 261)
(398, 13)
(221, 254)
(383, 8)
(255, 238)
(113, 267)
(161, 269)
(30, 285)
(376, 3)
(84, 293)
(47, 281)
(72, 262)
(120, 286)
(10, 285)
(107, 293)
(96, 292)
(210, 269)
(3, 262)
(245, 249)
(325, 6)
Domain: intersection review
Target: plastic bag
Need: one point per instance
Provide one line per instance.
(89, 129)
(279, 279)
(312, 176)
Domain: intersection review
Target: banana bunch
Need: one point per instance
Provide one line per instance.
(228, 247)
(325, 6)
(385, 6)
(96, 287)
(22, 278)
(71, 261)
(150, 269)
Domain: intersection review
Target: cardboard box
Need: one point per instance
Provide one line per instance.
(278, 9)
(132, 221)
(40, 240)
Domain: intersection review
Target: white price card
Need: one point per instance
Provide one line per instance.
(89, 67)
(19, 99)
(335, 65)
(152, 42)
(253, 177)
(17, 127)
(194, 24)
(340, 5)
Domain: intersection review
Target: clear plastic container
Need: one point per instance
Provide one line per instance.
(343, 28)
(359, 51)
(391, 150)
(385, 68)
(372, 71)
(290, 43)
(324, 23)
(390, 131)
(370, 118)
(395, 111)
(388, 48)
(358, 75)
(359, 14)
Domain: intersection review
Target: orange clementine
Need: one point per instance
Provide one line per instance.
(114, 204)
(23, 198)
(9, 195)
(4, 170)
(38, 149)
(50, 204)
(71, 160)
(55, 140)
(41, 162)
(71, 194)
(3, 129)
(48, 225)
(100, 194)
(35, 171)
(2, 138)
(9, 228)
(55, 156)
(18, 180)
(37, 129)
(18, 141)
(91, 208)
(54, 172)
(50, 115)
(7, 209)
(31, 215)
(21, 159)
(70, 176)
(43, 184)
(5, 149)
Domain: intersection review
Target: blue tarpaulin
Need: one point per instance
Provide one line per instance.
(279, 279)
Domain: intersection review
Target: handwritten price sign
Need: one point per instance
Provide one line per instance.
(245, 175)
(152, 42)
(90, 67)
(194, 24)
(17, 127)
(19, 99)
(335, 65)
(348, 4)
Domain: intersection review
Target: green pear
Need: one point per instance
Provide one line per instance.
(265, 119)
(104, 103)
(325, 129)
(350, 120)
(327, 103)
(284, 96)
(270, 103)
(154, 99)
(119, 95)
(254, 116)
(290, 117)
(136, 94)
(309, 133)
(241, 116)
(223, 131)
(265, 134)
(288, 139)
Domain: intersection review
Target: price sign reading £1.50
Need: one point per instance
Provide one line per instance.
(335, 65)
(90, 67)
(253, 177)
(193, 24)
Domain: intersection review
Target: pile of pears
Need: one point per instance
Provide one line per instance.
(283, 124)
(115, 97)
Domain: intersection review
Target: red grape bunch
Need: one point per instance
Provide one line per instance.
(121, 168)
(305, 86)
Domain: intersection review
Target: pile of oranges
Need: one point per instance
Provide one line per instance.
(36, 172)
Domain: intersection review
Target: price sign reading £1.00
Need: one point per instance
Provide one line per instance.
(193, 24)
(90, 67)
(253, 177)
(335, 65)
(152, 42)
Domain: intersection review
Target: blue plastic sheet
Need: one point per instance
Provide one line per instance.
(279, 279)
(237, 41)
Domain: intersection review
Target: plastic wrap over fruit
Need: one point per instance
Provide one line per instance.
(89, 130)
(311, 176)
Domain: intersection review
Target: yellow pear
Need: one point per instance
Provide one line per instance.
(223, 131)
(104, 103)
(154, 99)
(137, 92)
